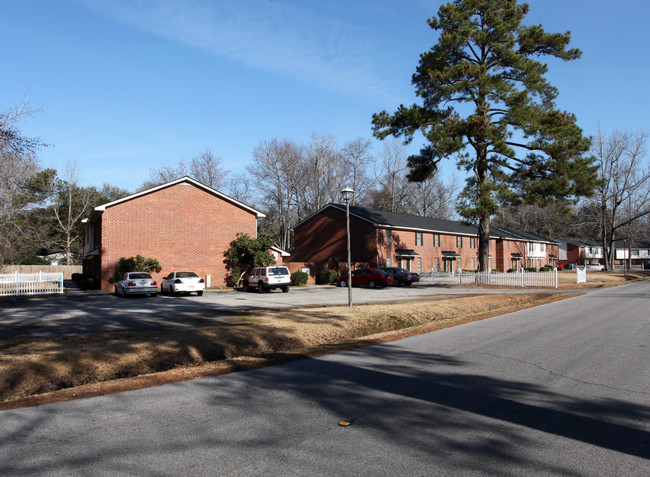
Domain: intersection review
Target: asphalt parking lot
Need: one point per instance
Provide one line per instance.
(80, 312)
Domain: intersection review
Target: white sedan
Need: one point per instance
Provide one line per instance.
(182, 282)
(136, 283)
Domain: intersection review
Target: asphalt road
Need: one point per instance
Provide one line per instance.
(560, 389)
(80, 312)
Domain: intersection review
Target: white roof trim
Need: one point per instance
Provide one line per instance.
(103, 207)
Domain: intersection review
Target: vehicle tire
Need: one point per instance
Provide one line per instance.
(408, 284)
(285, 289)
(343, 284)
(397, 283)
(116, 294)
(123, 293)
(199, 293)
(260, 288)
(246, 287)
(372, 284)
(154, 294)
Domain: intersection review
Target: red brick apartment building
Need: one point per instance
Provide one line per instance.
(183, 224)
(384, 239)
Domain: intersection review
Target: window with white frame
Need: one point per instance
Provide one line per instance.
(419, 262)
(436, 240)
(418, 239)
(459, 241)
(389, 262)
(472, 242)
(388, 238)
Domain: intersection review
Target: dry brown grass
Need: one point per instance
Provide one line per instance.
(36, 367)
(37, 371)
(567, 279)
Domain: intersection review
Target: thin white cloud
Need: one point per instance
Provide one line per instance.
(267, 35)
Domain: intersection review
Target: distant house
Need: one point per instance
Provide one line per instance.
(385, 239)
(183, 224)
(579, 251)
(632, 253)
(278, 254)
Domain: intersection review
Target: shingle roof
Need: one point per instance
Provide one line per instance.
(577, 241)
(381, 218)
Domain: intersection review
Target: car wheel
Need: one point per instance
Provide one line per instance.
(116, 294)
(246, 287)
(285, 289)
(408, 284)
(343, 284)
(199, 293)
(260, 288)
(372, 284)
(154, 294)
(123, 293)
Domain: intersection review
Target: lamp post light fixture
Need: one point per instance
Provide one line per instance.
(347, 195)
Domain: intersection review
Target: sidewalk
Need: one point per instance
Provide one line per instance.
(70, 288)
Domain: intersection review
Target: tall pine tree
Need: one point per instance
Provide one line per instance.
(485, 101)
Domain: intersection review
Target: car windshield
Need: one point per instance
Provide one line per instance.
(279, 271)
(139, 275)
(186, 274)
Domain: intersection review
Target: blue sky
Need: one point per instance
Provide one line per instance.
(130, 85)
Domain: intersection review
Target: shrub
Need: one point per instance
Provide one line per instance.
(87, 283)
(531, 269)
(512, 270)
(546, 268)
(76, 277)
(325, 277)
(299, 278)
(134, 264)
(32, 259)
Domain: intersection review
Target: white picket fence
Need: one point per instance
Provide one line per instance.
(23, 284)
(513, 279)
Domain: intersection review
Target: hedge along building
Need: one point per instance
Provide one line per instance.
(184, 224)
(385, 239)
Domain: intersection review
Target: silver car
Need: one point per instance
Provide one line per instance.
(136, 283)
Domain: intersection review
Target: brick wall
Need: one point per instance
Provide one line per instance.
(320, 243)
(182, 226)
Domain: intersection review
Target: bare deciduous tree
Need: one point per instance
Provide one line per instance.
(18, 166)
(205, 168)
(391, 190)
(357, 161)
(72, 204)
(624, 194)
(276, 163)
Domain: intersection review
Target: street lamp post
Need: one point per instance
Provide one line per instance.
(347, 195)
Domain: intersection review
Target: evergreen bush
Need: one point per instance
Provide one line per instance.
(325, 277)
(299, 278)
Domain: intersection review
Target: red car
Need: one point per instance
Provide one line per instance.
(370, 277)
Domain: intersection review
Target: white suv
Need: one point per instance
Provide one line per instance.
(268, 278)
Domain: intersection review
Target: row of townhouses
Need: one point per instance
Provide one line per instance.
(187, 225)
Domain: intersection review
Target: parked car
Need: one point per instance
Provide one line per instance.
(402, 276)
(571, 266)
(182, 282)
(268, 278)
(370, 277)
(594, 266)
(136, 283)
